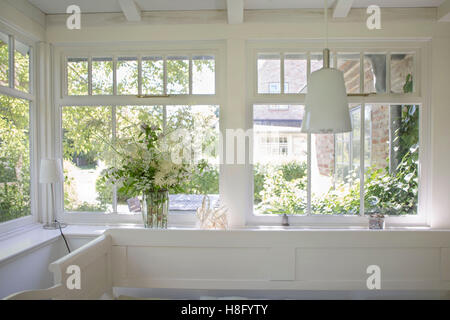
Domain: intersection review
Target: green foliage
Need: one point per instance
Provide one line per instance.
(14, 158)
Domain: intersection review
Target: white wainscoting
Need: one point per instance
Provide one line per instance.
(280, 260)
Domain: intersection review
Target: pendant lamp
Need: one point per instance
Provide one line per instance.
(326, 101)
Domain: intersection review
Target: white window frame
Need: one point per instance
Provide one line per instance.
(420, 96)
(61, 99)
(11, 225)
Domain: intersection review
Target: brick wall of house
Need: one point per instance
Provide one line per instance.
(380, 136)
(325, 153)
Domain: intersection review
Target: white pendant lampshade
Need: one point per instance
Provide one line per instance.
(326, 103)
(51, 171)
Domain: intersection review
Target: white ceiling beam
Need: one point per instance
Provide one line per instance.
(342, 8)
(444, 12)
(130, 9)
(235, 10)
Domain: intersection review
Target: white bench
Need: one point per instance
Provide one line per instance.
(252, 260)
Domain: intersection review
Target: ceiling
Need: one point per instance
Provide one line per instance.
(91, 6)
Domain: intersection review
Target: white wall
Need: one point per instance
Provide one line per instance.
(30, 269)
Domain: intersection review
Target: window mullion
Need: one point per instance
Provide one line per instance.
(114, 75)
(113, 133)
(308, 185)
(90, 76)
(282, 73)
(362, 153)
(11, 62)
(190, 74)
(165, 74)
(139, 75)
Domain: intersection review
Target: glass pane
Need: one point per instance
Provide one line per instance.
(193, 133)
(22, 66)
(14, 158)
(368, 137)
(295, 70)
(334, 182)
(4, 60)
(177, 75)
(152, 75)
(87, 140)
(356, 140)
(269, 71)
(349, 64)
(203, 75)
(128, 122)
(402, 66)
(375, 73)
(392, 180)
(316, 61)
(280, 160)
(77, 76)
(102, 76)
(127, 76)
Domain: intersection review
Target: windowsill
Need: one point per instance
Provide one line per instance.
(35, 236)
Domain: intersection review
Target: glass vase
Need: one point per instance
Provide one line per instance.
(155, 209)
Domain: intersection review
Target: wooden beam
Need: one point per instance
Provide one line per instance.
(235, 10)
(131, 11)
(342, 8)
(444, 12)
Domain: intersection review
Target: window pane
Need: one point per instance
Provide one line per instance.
(295, 70)
(392, 180)
(349, 64)
(334, 171)
(22, 66)
(102, 76)
(77, 76)
(196, 130)
(316, 61)
(14, 158)
(375, 73)
(269, 79)
(402, 66)
(280, 160)
(152, 75)
(86, 150)
(4, 60)
(128, 122)
(127, 76)
(203, 75)
(177, 75)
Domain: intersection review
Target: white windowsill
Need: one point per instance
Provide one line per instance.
(35, 236)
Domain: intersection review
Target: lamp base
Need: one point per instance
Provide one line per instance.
(54, 225)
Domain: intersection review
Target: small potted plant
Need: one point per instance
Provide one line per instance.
(376, 215)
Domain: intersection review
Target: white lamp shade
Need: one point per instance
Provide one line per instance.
(326, 103)
(51, 171)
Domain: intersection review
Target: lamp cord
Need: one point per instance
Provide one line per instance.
(62, 234)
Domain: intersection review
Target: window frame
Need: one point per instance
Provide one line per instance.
(421, 48)
(164, 49)
(31, 97)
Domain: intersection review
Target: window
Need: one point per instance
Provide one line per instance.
(14, 158)
(147, 75)
(90, 132)
(373, 168)
(279, 165)
(15, 133)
